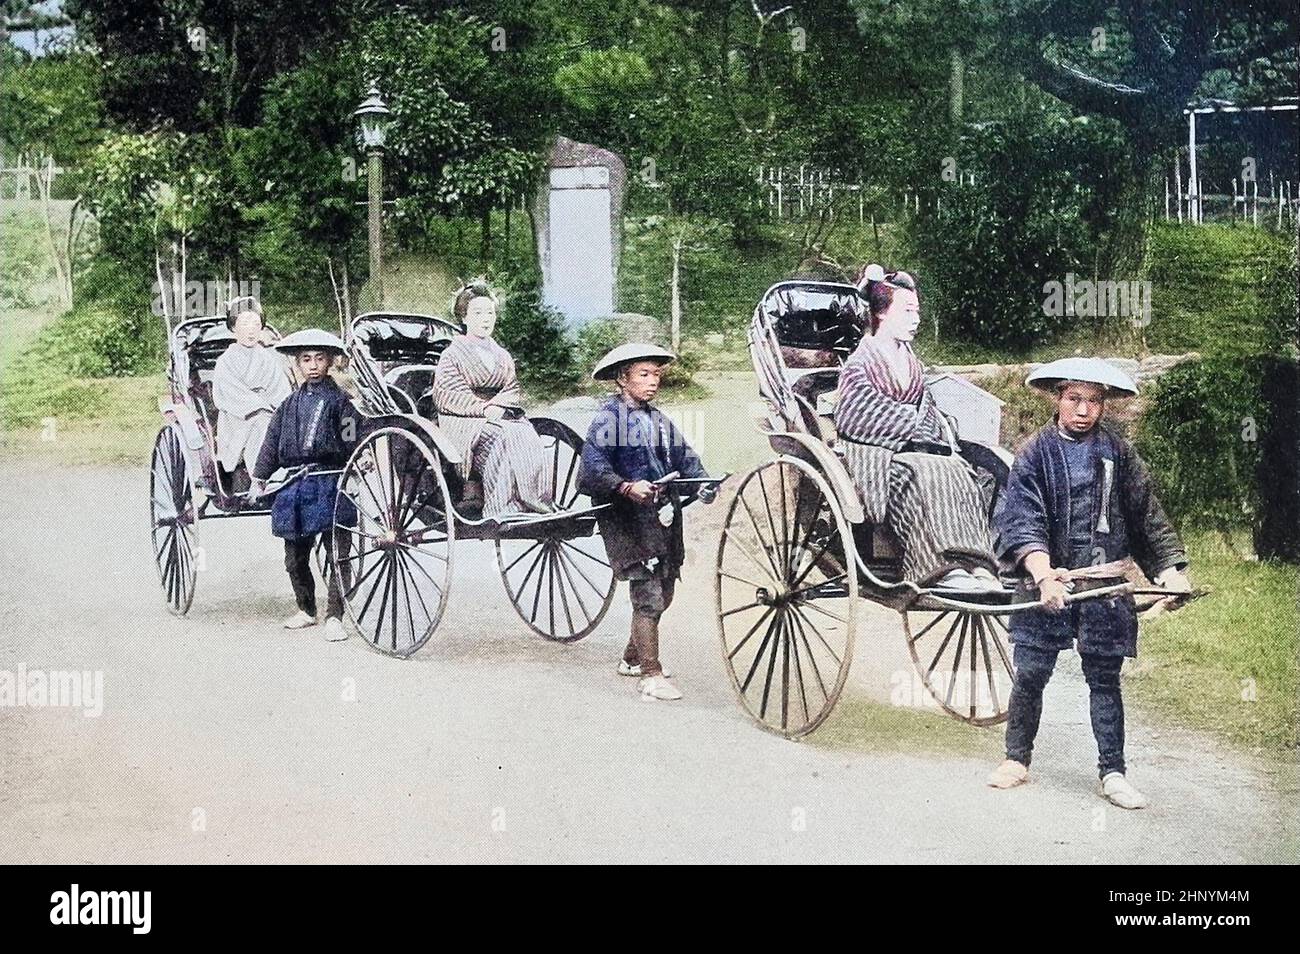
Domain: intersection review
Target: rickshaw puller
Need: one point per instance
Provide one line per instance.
(1079, 495)
(315, 426)
(631, 445)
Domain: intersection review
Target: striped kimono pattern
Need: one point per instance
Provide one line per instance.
(931, 502)
(509, 456)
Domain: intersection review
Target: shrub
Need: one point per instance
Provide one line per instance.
(534, 334)
(1221, 289)
(1036, 212)
(1202, 434)
(98, 340)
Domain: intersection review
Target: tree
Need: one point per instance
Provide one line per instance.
(50, 110)
(308, 214)
(1139, 63)
(199, 68)
(464, 137)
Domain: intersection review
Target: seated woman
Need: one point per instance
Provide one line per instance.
(476, 395)
(248, 383)
(898, 453)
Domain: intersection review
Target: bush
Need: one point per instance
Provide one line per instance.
(534, 335)
(599, 337)
(1036, 212)
(1202, 434)
(1221, 289)
(97, 340)
(111, 330)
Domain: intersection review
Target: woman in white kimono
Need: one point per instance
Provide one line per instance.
(248, 383)
(476, 395)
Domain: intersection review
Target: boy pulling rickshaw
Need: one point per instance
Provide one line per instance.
(630, 459)
(1079, 496)
(315, 428)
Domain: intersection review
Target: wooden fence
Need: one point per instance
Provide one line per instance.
(1275, 205)
(25, 176)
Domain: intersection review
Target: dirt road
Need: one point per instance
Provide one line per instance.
(224, 737)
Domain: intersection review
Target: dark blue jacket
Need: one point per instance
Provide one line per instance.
(628, 441)
(316, 425)
(1126, 520)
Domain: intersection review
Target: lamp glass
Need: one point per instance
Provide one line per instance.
(373, 128)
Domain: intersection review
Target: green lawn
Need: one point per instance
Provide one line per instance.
(1228, 662)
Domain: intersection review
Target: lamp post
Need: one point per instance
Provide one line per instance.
(373, 116)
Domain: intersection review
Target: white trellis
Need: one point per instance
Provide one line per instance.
(793, 191)
(1192, 194)
(24, 177)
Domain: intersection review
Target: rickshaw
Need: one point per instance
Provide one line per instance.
(797, 551)
(186, 484)
(402, 505)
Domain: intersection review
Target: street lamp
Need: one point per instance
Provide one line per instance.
(373, 115)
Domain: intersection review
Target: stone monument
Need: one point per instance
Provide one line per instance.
(578, 211)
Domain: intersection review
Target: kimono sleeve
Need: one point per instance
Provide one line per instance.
(597, 476)
(231, 392)
(268, 458)
(1152, 538)
(509, 395)
(1022, 514)
(867, 416)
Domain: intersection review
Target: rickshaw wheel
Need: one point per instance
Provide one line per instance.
(394, 559)
(560, 585)
(970, 678)
(172, 519)
(786, 585)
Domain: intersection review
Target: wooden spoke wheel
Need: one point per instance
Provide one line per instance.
(563, 457)
(393, 540)
(559, 583)
(173, 518)
(560, 588)
(964, 661)
(787, 589)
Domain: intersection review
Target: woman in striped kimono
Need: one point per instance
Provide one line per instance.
(898, 451)
(476, 394)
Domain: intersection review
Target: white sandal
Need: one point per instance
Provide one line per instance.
(1119, 791)
(626, 668)
(658, 689)
(1008, 775)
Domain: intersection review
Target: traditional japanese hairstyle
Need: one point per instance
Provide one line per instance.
(475, 288)
(877, 286)
(238, 306)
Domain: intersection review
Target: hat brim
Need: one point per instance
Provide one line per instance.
(610, 372)
(1051, 385)
(299, 348)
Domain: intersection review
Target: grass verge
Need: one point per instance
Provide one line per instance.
(1228, 663)
(865, 725)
